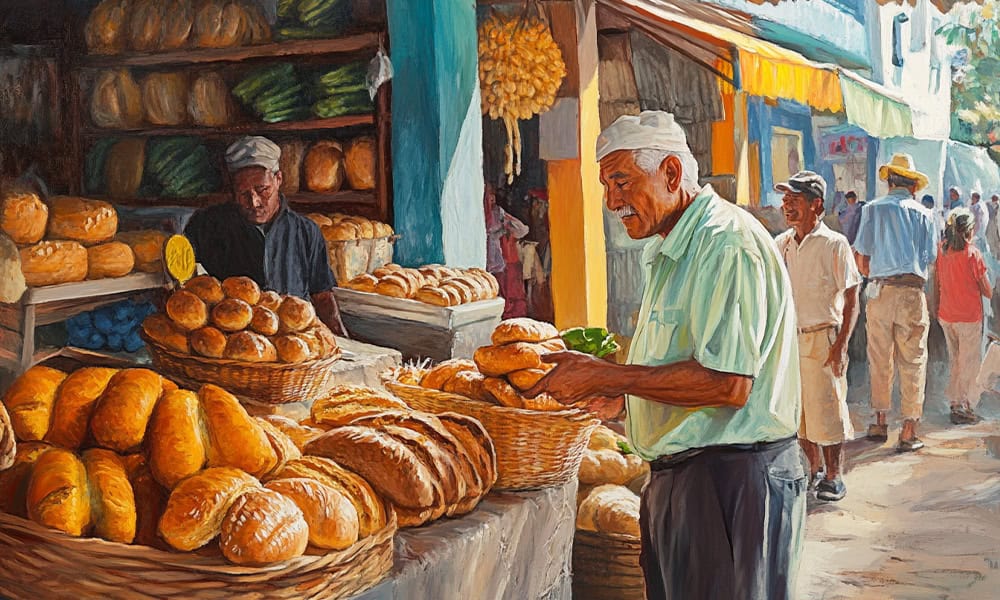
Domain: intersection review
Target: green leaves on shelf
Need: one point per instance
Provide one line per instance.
(595, 341)
(311, 19)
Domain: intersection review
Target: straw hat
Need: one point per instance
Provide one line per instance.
(902, 164)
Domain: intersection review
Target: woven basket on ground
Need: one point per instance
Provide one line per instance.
(535, 449)
(606, 567)
(43, 563)
(270, 382)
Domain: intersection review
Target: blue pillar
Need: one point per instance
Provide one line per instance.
(437, 151)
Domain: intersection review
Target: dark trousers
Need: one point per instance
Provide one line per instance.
(724, 523)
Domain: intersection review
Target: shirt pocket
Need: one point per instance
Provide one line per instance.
(661, 336)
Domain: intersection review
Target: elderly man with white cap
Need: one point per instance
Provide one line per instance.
(258, 236)
(712, 379)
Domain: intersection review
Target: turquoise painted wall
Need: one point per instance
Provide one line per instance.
(436, 133)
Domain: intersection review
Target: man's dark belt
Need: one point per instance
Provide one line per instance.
(908, 280)
(672, 460)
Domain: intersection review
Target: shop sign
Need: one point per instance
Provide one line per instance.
(843, 145)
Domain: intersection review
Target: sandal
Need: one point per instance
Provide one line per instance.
(878, 433)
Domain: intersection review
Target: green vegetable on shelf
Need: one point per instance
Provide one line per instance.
(596, 341)
(346, 104)
(93, 169)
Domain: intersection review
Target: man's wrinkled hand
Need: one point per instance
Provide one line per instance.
(576, 376)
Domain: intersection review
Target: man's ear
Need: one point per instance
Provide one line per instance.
(278, 177)
(672, 170)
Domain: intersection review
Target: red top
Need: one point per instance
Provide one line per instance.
(958, 275)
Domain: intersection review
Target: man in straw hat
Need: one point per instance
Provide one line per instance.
(897, 241)
(258, 236)
(712, 381)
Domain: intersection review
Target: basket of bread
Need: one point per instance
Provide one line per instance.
(539, 442)
(126, 486)
(257, 344)
(432, 284)
(355, 245)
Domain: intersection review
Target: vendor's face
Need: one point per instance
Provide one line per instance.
(801, 211)
(645, 202)
(953, 195)
(256, 191)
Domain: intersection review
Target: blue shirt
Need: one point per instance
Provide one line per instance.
(899, 235)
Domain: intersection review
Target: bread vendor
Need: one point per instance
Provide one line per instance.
(257, 235)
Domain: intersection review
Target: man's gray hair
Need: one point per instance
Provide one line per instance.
(650, 159)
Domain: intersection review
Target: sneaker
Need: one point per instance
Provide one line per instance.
(961, 415)
(818, 477)
(831, 491)
(910, 445)
(878, 433)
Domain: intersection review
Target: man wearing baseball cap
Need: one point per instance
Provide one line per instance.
(256, 235)
(825, 284)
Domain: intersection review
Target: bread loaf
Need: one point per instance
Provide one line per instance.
(270, 300)
(263, 527)
(23, 215)
(603, 495)
(466, 291)
(341, 404)
(523, 330)
(147, 246)
(603, 466)
(264, 321)
(363, 283)
(503, 393)
(113, 259)
(296, 314)
(111, 498)
(123, 410)
(290, 163)
(324, 167)
(495, 361)
(242, 288)
(51, 263)
(527, 378)
(58, 496)
(176, 440)
(489, 278)
(284, 448)
(161, 330)
(542, 402)
(178, 18)
(449, 488)
(81, 220)
(207, 288)
(394, 286)
(123, 167)
(433, 295)
(74, 404)
(436, 377)
(292, 349)
(235, 438)
(477, 442)
(150, 502)
(186, 310)
(14, 480)
(383, 230)
(248, 346)
(619, 516)
(107, 26)
(299, 434)
(331, 516)
(29, 401)
(359, 162)
(232, 314)
(164, 97)
(208, 342)
(471, 384)
(197, 506)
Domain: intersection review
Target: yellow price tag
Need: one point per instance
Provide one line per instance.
(178, 256)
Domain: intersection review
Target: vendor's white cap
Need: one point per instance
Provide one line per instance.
(253, 151)
(653, 129)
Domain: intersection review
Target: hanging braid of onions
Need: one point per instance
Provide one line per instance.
(961, 223)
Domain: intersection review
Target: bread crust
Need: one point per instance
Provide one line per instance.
(162, 330)
(14, 479)
(176, 439)
(496, 361)
(436, 377)
(477, 441)
(207, 288)
(58, 496)
(242, 288)
(503, 393)
(293, 348)
(110, 259)
(248, 346)
(74, 404)
(264, 321)
(231, 315)
(330, 515)
(235, 439)
(263, 527)
(197, 506)
(296, 314)
(111, 496)
(284, 448)
(270, 300)
(208, 341)
(123, 411)
(186, 310)
(527, 378)
(30, 400)
(299, 434)
(523, 330)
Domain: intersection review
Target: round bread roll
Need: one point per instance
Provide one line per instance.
(232, 314)
(186, 310)
(292, 349)
(264, 321)
(208, 342)
(296, 314)
(111, 259)
(263, 527)
(207, 288)
(270, 300)
(112, 499)
(248, 346)
(162, 330)
(331, 516)
(242, 288)
(363, 283)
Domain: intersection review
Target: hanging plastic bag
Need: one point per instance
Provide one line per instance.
(379, 72)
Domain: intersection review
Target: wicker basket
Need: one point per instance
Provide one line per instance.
(606, 567)
(43, 563)
(269, 383)
(535, 449)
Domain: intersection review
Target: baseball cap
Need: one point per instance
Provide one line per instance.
(804, 182)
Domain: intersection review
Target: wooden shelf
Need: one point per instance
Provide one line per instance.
(285, 49)
(298, 199)
(242, 128)
(95, 358)
(89, 290)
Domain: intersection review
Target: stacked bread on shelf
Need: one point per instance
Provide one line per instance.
(348, 228)
(118, 100)
(329, 165)
(606, 502)
(235, 320)
(431, 284)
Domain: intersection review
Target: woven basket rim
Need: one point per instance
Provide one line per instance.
(571, 414)
(308, 365)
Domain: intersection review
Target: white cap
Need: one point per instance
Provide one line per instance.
(253, 151)
(651, 129)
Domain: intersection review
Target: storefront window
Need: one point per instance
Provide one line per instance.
(786, 153)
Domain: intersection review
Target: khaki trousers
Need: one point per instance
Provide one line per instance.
(825, 418)
(965, 355)
(897, 336)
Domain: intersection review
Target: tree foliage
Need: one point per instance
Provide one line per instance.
(975, 90)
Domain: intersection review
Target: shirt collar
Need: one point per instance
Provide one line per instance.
(675, 244)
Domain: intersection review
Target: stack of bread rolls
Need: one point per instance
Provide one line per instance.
(608, 459)
(606, 502)
(431, 284)
(345, 228)
(235, 320)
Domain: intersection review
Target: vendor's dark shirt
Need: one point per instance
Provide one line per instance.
(289, 259)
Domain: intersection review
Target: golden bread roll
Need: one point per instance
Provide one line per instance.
(232, 314)
(270, 300)
(81, 220)
(14, 480)
(187, 310)
(235, 438)
(395, 286)
(299, 434)
(58, 496)
(30, 399)
(208, 342)
(176, 441)
(74, 404)
(489, 278)
(344, 403)
(111, 498)
(150, 502)
(263, 527)
(123, 410)
(436, 377)
(363, 283)
(503, 393)
(160, 329)
(603, 466)
(319, 220)
(248, 346)
(542, 402)
(527, 378)
(147, 246)
(324, 167)
(296, 314)
(23, 215)
(51, 263)
(495, 361)
(370, 510)
(242, 288)
(383, 230)
(207, 288)
(395, 472)
(284, 448)
(111, 259)
(264, 321)
(523, 330)
(331, 516)
(293, 348)
(470, 384)
(477, 443)
(388, 269)
(433, 295)
(321, 340)
(197, 506)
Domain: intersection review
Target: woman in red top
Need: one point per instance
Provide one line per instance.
(962, 282)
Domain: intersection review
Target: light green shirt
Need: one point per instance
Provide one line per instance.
(716, 292)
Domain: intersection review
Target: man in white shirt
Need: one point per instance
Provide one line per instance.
(982, 215)
(825, 282)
